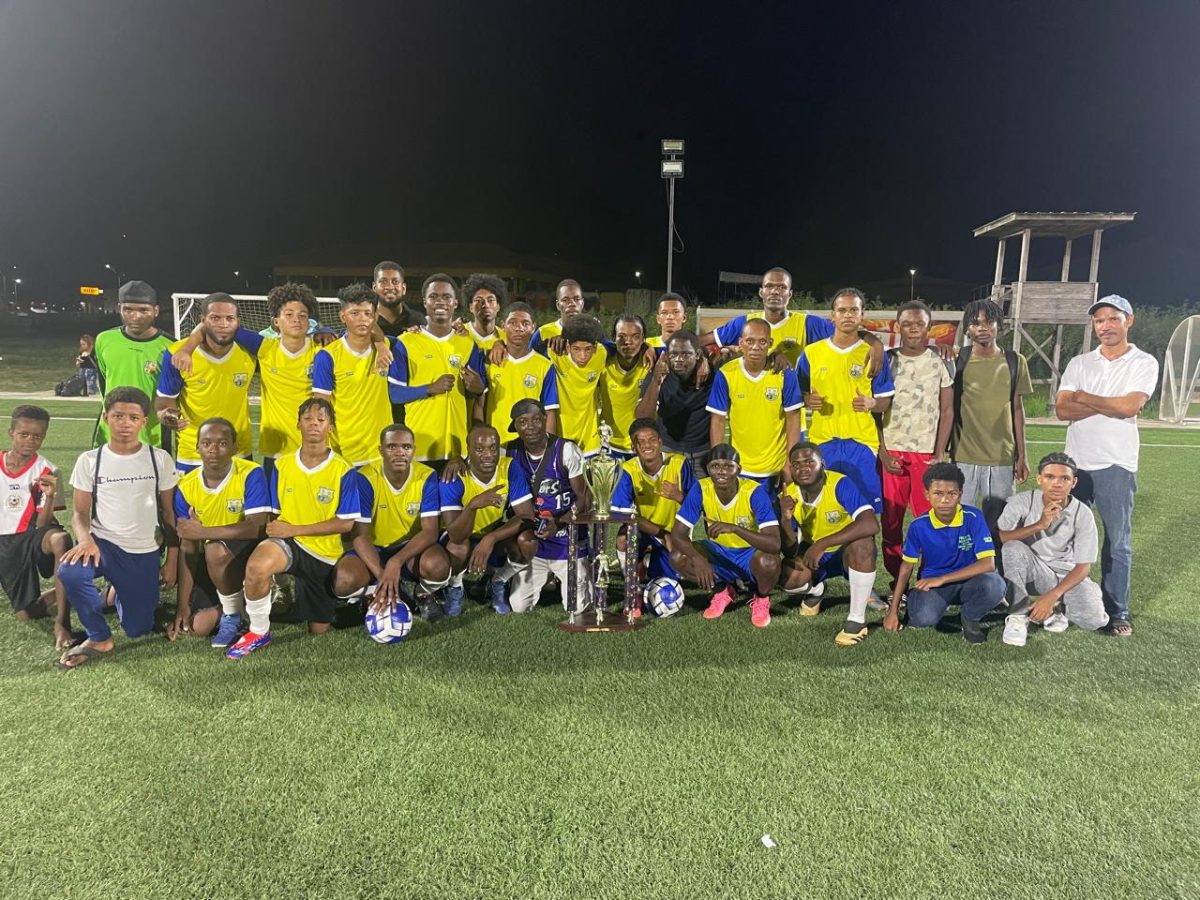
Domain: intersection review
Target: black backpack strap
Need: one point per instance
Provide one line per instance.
(96, 485)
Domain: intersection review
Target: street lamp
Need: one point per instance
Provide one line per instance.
(16, 281)
(638, 276)
(912, 284)
(671, 168)
(117, 276)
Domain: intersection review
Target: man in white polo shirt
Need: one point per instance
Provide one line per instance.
(1100, 395)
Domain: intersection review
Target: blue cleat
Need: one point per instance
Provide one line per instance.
(247, 644)
(453, 605)
(228, 629)
(498, 590)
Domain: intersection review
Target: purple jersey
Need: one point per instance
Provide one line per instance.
(553, 495)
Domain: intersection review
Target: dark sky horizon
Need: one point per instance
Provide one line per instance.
(845, 144)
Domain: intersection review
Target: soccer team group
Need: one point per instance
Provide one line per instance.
(409, 449)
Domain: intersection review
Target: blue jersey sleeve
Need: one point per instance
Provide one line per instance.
(182, 507)
(170, 382)
(718, 395)
(323, 372)
(476, 361)
(250, 341)
(622, 498)
(399, 390)
(518, 484)
(366, 499)
(431, 498)
(349, 504)
(550, 389)
(255, 498)
(850, 497)
(912, 541)
(760, 505)
(536, 344)
(817, 328)
(686, 478)
(792, 398)
(804, 374)
(882, 384)
(980, 535)
(692, 508)
(273, 490)
(451, 494)
(729, 333)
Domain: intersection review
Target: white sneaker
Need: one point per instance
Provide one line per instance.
(1016, 629)
(1056, 623)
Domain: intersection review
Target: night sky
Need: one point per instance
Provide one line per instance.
(845, 142)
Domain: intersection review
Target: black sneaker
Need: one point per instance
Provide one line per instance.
(428, 608)
(973, 632)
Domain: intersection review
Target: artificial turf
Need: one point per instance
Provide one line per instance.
(499, 757)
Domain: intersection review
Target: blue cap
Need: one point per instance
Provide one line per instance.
(1116, 301)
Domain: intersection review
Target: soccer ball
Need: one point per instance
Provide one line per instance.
(664, 596)
(390, 626)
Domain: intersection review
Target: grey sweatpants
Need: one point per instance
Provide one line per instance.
(1025, 571)
(985, 482)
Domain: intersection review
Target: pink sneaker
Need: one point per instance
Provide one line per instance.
(760, 612)
(720, 602)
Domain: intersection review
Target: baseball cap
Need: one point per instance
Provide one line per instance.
(524, 408)
(137, 292)
(1116, 301)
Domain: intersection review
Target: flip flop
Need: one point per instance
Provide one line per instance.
(88, 653)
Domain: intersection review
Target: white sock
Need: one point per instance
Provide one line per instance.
(259, 612)
(456, 578)
(232, 604)
(508, 570)
(861, 584)
(432, 587)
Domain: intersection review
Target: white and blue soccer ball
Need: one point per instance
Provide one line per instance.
(664, 596)
(390, 626)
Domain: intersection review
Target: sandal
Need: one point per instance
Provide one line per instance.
(1119, 628)
(88, 653)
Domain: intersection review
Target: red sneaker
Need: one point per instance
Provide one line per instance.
(719, 603)
(760, 612)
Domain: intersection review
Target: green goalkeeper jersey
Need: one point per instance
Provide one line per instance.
(126, 362)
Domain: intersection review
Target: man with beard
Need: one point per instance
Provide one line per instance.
(438, 373)
(672, 313)
(626, 374)
(568, 299)
(131, 355)
(395, 316)
(484, 295)
(677, 394)
(218, 385)
(522, 374)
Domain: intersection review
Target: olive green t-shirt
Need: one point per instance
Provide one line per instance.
(983, 429)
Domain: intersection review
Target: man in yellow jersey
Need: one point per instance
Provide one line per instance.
(285, 366)
(761, 405)
(437, 374)
(829, 531)
(521, 375)
(625, 377)
(218, 385)
(314, 496)
(843, 398)
(484, 295)
(348, 373)
(652, 485)
(488, 516)
(741, 537)
(672, 313)
(578, 369)
(396, 537)
(568, 300)
(221, 510)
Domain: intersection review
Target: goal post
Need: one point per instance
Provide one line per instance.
(252, 310)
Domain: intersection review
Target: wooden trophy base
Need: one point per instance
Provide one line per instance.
(585, 623)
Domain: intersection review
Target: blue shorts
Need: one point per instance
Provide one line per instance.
(857, 462)
(832, 564)
(729, 565)
(659, 564)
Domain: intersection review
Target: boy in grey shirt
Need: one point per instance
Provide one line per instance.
(1049, 543)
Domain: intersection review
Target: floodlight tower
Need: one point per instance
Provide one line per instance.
(672, 168)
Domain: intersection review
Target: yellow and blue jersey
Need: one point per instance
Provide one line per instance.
(485, 343)
(656, 342)
(531, 377)
(639, 491)
(945, 547)
(439, 422)
(214, 387)
(395, 513)
(360, 398)
(838, 504)
(304, 496)
(790, 335)
(750, 508)
(578, 392)
(509, 481)
(838, 375)
(544, 334)
(620, 391)
(287, 381)
(757, 407)
(243, 492)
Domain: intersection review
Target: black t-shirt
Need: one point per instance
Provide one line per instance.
(408, 317)
(681, 408)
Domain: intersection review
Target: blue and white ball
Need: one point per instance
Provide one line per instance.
(390, 626)
(664, 596)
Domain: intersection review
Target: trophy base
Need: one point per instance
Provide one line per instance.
(586, 623)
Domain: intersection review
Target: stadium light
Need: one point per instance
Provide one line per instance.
(912, 284)
(638, 276)
(116, 275)
(671, 168)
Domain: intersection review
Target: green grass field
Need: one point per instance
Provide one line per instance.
(498, 757)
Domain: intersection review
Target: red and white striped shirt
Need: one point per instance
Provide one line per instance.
(20, 496)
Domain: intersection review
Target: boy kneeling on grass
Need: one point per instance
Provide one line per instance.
(957, 560)
(122, 515)
(31, 540)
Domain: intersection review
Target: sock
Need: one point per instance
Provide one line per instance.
(432, 587)
(259, 612)
(861, 584)
(232, 604)
(508, 570)
(456, 579)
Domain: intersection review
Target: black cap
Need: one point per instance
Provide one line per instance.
(137, 292)
(524, 408)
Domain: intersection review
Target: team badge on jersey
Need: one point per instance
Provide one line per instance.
(772, 394)
(856, 371)
(13, 501)
(324, 495)
(151, 367)
(530, 381)
(414, 508)
(592, 376)
(308, 372)
(744, 522)
(455, 361)
(239, 379)
(234, 505)
(833, 517)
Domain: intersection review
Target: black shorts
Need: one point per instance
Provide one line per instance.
(204, 592)
(314, 584)
(22, 562)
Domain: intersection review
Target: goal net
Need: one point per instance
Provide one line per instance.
(252, 310)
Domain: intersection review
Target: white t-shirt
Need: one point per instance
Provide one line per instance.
(125, 499)
(20, 497)
(1098, 442)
